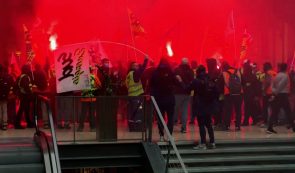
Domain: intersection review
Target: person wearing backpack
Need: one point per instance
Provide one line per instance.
(205, 98)
(6, 86)
(25, 94)
(232, 95)
(281, 89)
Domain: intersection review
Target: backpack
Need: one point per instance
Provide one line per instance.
(19, 89)
(208, 89)
(235, 83)
(4, 88)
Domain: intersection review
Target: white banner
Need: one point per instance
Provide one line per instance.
(72, 67)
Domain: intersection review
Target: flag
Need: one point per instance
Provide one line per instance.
(14, 64)
(135, 26)
(13, 59)
(230, 28)
(29, 50)
(72, 67)
(247, 39)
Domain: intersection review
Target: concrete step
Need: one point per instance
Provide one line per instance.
(237, 150)
(231, 160)
(272, 168)
(22, 168)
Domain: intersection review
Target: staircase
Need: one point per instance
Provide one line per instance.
(20, 155)
(251, 156)
(105, 155)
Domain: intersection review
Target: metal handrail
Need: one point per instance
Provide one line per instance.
(53, 134)
(170, 137)
(146, 130)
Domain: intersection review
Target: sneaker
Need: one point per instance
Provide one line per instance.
(238, 128)
(45, 126)
(262, 125)
(4, 127)
(211, 146)
(271, 131)
(226, 129)
(19, 127)
(31, 125)
(218, 128)
(67, 126)
(80, 129)
(200, 147)
(183, 130)
(93, 129)
(60, 126)
(161, 138)
(293, 129)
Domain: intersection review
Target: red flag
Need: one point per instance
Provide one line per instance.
(230, 28)
(136, 27)
(247, 39)
(29, 50)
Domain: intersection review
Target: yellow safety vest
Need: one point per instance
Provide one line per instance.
(134, 88)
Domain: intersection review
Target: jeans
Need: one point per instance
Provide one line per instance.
(230, 102)
(266, 104)
(66, 108)
(181, 105)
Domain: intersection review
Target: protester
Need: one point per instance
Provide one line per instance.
(205, 98)
(233, 95)
(182, 96)
(162, 83)
(281, 90)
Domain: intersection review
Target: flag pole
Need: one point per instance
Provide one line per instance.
(131, 32)
(203, 45)
(292, 63)
(235, 40)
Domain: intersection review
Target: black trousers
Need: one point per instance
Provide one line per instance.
(166, 105)
(230, 102)
(281, 101)
(249, 108)
(88, 108)
(11, 111)
(204, 121)
(24, 107)
(218, 116)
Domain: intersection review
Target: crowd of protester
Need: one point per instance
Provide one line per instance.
(210, 93)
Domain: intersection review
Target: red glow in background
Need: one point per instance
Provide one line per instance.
(196, 28)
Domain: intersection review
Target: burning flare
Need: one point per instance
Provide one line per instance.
(53, 44)
(169, 49)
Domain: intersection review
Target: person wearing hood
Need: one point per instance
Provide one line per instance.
(182, 97)
(25, 94)
(163, 81)
(205, 98)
